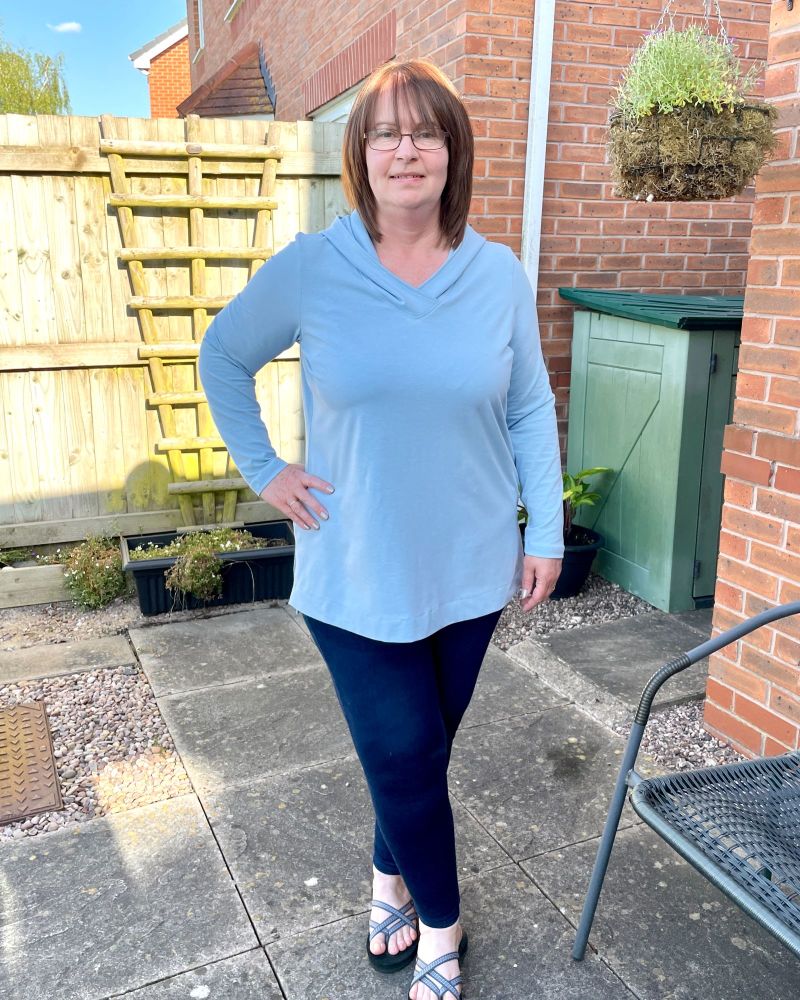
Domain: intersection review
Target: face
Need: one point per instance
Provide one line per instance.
(406, 179)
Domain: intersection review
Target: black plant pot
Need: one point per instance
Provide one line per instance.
(581, 547)
(247, 575)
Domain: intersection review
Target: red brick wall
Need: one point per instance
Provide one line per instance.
(590, 239)
(754, 685)
(169, 80)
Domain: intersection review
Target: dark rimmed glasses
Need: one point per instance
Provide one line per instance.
(383, 139)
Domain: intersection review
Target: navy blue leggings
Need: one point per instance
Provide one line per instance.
(403, 702)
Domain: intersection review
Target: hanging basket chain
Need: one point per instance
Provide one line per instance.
(668, 12)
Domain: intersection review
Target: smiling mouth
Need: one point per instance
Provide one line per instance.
(401, 177)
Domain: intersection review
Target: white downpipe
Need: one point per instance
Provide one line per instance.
(536, 152)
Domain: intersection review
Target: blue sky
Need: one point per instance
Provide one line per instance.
(100, 77)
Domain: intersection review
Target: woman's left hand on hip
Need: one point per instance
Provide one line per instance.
(539, 577)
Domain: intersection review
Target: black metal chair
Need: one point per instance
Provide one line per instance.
(737, 824)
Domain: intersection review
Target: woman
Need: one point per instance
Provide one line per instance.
(427, 406)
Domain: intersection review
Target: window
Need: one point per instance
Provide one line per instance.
(198, 38)
(337, 110)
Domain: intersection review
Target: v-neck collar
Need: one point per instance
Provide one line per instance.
(349, 235)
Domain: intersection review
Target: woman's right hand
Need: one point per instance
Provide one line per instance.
(289, 492)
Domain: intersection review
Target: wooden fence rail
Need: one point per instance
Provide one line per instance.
(82, 449)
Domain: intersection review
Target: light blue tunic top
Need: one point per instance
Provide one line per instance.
(426, 408)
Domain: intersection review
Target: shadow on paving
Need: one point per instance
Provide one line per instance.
(258, 885)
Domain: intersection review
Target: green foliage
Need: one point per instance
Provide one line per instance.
(673, 68)
(93, 572)
(10, 556)
(575, 494)
(198, 573)
(197, 569)
(31, 83)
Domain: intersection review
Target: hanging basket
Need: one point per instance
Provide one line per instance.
(691, 153)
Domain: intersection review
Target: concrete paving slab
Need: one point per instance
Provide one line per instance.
(505, 690)
(300, 846)
(185, 655)
(663, 928)
(54, 659)
(519, 947)
(242, 977)
(700, 618)
(619, 657)
(114, 904)
(540, 781)
(236, 732)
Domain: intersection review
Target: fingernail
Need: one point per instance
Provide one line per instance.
(330, 489)
(323, 515)
(315, 526)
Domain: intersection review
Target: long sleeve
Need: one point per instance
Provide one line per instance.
(531, 420)
(263, 320)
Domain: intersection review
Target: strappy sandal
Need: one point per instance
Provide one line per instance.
(396, 919)
(435, 981)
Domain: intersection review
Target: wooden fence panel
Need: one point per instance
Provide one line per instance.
(77, 438)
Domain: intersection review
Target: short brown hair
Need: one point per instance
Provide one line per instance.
(421, 84)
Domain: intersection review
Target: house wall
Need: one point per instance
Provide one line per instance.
(590, 239)
(169, 80)
(754, 685)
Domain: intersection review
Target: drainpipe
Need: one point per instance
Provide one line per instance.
(538, 113)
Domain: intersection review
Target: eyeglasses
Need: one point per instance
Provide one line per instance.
(428, 137)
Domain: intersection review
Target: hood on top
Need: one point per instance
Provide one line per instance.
(349, 236)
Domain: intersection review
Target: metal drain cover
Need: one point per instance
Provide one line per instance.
(28, 778)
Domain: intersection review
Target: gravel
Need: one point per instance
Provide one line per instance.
(114, 752)
(112, 748)
(599, 602)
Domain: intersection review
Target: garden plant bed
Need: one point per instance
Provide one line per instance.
(254, 574)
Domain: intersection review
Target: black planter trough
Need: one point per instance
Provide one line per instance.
(247, 575)
(581, 547)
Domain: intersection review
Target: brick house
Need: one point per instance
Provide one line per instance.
(537, 85)
(165, 62)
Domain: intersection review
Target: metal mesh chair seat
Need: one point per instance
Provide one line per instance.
(738, 824)
(741, 820)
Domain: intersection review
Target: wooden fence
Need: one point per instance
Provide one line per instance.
(80, 431)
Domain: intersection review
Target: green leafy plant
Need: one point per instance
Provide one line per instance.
(576, 493)
(198, 568)
(93, 572)
(8, 557)
(674, 68)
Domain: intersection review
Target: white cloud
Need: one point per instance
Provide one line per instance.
(65, 26)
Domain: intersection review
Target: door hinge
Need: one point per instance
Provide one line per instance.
(712, 364)
(696, 571)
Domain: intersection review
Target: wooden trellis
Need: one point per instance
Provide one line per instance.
(157, 349)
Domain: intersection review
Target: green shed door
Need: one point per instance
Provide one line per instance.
(638, 406)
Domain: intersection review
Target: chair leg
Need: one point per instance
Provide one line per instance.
(607, 842)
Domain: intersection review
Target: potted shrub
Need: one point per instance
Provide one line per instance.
(580, 544)
(682, 128)
(209, 568)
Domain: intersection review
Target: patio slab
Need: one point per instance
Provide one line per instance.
(117, 903)
(186, 655)
(233, 733)
(664, 928)
(300, 846)
(519, 947)
(54, 659)
(604, 668)
(539, 781)
(506, 690)
(243, 977)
